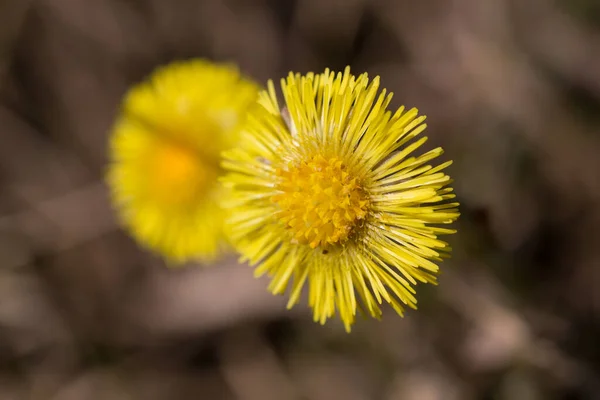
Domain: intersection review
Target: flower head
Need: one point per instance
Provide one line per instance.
(327, 190)
(165, 154)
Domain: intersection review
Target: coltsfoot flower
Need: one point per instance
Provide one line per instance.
(165, 154)
(326, 190)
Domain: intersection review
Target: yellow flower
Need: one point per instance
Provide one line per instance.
(326, 190)
(165, 154)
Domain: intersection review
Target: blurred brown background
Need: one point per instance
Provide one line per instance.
(512, 91)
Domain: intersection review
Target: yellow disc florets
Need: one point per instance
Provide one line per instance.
(320, 201)
(176, 174)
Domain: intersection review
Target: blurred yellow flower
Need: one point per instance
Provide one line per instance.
(165, 154)
(326, 190)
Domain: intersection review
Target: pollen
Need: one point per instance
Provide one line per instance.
(176, 174)
(320, 202)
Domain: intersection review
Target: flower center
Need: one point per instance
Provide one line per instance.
(176, 174)
(320, 202)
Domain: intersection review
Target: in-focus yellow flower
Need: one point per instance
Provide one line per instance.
(326, 190)
(165, 155)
